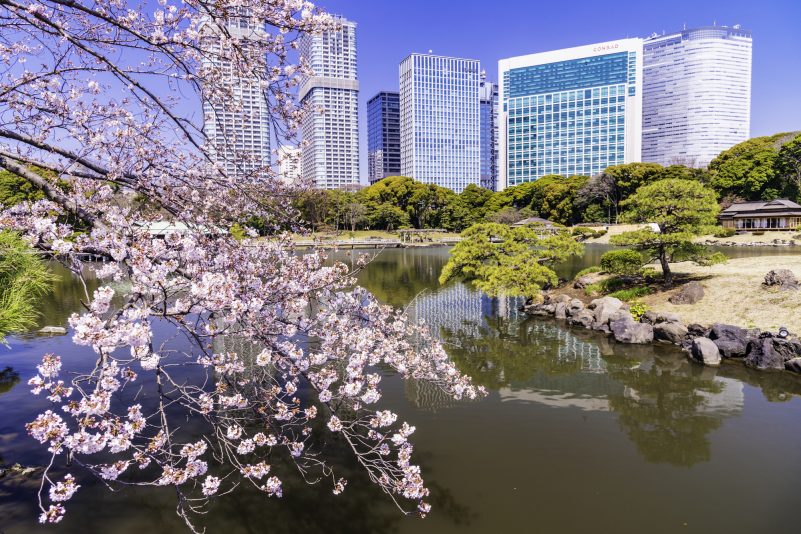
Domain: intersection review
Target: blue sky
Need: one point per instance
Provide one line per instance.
(490, 30)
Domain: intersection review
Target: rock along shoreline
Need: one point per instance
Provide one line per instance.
(705, 345)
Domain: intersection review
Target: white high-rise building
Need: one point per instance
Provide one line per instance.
(696, 94)
(571, 111)
(238, 129)
(331, 130)
(289, 164)
(440, 120)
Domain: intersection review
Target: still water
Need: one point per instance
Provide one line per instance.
(578, 434)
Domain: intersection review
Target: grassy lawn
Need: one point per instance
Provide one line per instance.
(734, 294)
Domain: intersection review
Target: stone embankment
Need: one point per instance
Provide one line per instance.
(771, 243)
(706, 345)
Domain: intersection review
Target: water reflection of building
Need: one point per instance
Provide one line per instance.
(460, 308)
(572, 349)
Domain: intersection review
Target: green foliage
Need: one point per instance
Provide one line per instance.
(625, 261)
(724, 232)
(751, 170)
(631, 293)
(587, 270)
(637, 309)
(606, 286)
(24, 278)
(15, 189)
(681, 209)
(790, 164)
(554, 198)
(649, 274)
(511, 261)
(237, 232)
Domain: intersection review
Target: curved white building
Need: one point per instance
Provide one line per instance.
(696, 94)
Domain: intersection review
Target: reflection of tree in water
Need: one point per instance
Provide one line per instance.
(8, 379)
(666, 409)
(396, 276)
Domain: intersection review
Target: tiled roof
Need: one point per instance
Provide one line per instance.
(778, 207)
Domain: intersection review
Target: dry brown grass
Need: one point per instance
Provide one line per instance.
(734, 294)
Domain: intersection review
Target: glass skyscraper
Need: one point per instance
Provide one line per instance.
(331, 138)
(571, 111)
(488, 99)
(696, 94)
(383, 136)
(238, 130)
(440, 120)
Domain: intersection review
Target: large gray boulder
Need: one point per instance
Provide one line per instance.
(544, 309)
(561, 297)
(560, 310)
(583, 281)
(793, 364)
(769, 352)
(731, 340)
(689, 294)
(783, 278)
(704, 350)
(604, 308)
(574, 306)
(670, 332)
(627, 331)
(584, 318)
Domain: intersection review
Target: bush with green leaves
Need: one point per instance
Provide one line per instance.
(625, 261)
(24, 278)
(724, 232)
(638, 309)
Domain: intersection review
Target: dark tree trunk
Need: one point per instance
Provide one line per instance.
(667, 275)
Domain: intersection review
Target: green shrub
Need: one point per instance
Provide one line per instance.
(632, 293)
(724, 232)
(638, 309)
(588, 270)
(604, 287)
(625, 261)
(650, 274)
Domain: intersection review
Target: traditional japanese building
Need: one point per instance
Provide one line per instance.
(779, 214)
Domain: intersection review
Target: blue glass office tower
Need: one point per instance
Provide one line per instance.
(571, 111)
(383, 136)
(488, 100)
(440, 120)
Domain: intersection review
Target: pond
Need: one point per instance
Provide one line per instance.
(578, 434)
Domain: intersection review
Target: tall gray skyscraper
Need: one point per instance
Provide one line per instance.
(331, 137)
(488, 98)
(696, 94)
(440, 120)
(383, 136)
(238, 129)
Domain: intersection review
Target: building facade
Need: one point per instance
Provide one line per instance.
(779, 214)
(572, 111)
(440, 120)
(488, 102)
(289, 165)
(383, 136)
(696, 94)
(331, 136)
(237, 126)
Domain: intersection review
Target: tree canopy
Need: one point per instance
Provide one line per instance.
(501, 260)
(682, 209)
